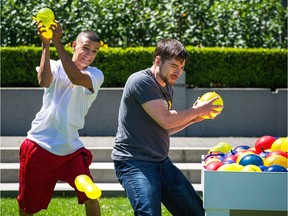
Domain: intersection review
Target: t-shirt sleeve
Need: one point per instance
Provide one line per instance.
(54, 65)
(143, 89)
(97, 79)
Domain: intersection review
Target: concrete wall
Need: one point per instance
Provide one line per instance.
(247, 112)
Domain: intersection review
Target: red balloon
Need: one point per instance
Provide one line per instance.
(214, 165)
(264, 142)
(278, 152)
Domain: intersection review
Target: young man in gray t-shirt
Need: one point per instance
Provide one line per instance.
(146, 121)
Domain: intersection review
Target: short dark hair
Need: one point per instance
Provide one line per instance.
(91, 35)
(170, 49)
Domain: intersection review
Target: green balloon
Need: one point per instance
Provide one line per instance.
(46, 15)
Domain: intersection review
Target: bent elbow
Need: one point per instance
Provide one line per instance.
(73, 80)
(165, 125)
(44, 84)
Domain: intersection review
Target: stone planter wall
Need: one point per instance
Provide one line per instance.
(247, 112)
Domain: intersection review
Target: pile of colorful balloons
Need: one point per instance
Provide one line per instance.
(269, 154)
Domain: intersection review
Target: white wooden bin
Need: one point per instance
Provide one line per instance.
(244, 193)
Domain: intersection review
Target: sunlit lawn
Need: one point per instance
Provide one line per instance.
(63, 206)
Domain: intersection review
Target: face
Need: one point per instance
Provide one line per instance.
(85, 52)
(169, 71)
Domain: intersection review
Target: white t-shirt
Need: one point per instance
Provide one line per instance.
(56, 125)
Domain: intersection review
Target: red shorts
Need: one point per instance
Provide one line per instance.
(40, 170)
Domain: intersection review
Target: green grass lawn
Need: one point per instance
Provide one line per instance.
(63, 206)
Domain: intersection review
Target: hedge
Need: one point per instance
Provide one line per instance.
(131, 23)
(206, 67)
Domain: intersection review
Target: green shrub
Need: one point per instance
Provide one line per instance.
(237, 68)
(18, 66)
(126, 23)
(206, 67)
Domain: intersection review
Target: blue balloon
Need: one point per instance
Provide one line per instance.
(263, 168)
(275, 168)
(241, 147)
(251, 159)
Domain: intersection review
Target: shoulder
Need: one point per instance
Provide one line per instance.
(140, 78)
(94, 72)
(141, 82)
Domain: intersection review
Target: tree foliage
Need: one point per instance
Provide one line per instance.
(18, 27)
(126, 23)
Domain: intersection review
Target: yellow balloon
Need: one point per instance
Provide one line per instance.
(48, 34)
(233, 167)
(47, 17)
(251, 168)
(84, 184)
(276, 160)
(93, 192)
(276, 145)
(207, 97)
(284, 145)
(221, 147)
(81, 181)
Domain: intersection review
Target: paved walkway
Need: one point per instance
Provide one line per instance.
(176, 142)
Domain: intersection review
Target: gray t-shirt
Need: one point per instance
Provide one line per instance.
(139, 137)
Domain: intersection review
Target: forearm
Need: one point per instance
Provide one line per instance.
(170, 119)
(179, 128)
(70, 68)
(178, 120)
(45, 76)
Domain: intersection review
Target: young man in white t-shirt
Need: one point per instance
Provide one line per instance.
(52, 150)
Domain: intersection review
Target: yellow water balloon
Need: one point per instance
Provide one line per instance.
(276, 145)
(233, 167)
(209, 96)
(284, 145)
(93, 192)
(84, 184)
(46, 15)
(251, 168)
(276, 160)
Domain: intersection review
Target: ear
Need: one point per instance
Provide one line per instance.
(157, 60)
(74, 45)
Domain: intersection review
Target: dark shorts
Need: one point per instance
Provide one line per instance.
(40, 170)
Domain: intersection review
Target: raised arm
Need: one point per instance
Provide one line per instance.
(44, 75)
(72, 68)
